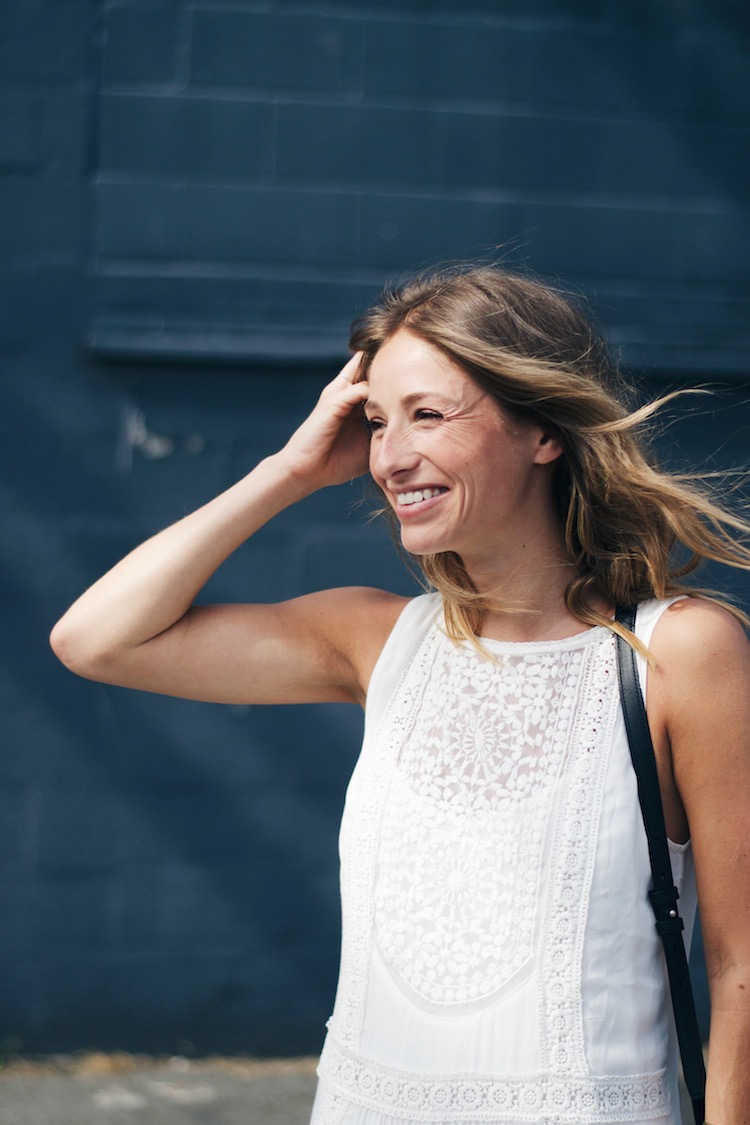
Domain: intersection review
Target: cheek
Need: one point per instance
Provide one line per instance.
(373, 464)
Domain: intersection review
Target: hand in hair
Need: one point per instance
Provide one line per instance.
(332, 445)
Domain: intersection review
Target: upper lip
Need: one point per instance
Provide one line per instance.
(399, 490)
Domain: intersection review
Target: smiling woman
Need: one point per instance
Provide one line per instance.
(499, 959)
(461, 473)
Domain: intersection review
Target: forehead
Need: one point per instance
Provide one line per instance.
(406, 365)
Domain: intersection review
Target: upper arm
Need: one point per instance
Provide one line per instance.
(321, 647)
(703, 678)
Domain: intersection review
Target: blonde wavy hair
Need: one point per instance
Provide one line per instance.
(632, 530)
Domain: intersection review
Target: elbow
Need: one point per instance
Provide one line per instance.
(73, 649)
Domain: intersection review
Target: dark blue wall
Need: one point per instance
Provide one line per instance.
(195, 199)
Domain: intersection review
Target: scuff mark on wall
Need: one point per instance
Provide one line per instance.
(135, 435)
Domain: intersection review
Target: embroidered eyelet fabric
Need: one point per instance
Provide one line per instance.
(492, 859)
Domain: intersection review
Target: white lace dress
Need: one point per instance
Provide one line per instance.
(499, 957)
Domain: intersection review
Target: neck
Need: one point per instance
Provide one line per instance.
(529, 589)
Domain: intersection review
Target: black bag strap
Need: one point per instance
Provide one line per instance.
(663, 895)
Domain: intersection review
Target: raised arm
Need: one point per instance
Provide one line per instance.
(137, 626)
(702, 688)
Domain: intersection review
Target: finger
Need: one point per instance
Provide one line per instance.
(350, 371)
(344, 389)
(352, 394)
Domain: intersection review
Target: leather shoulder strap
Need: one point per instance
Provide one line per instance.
(663, 894)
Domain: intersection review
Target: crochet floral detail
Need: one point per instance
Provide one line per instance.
(533, 1099)
(456, 897)
(573, 854)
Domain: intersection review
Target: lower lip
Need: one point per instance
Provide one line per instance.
(409, 511)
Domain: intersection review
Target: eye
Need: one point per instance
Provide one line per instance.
(428, 415)
(373, 424)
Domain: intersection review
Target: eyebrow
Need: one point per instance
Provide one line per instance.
(410, 400)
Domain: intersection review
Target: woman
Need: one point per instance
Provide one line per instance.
(499, 959)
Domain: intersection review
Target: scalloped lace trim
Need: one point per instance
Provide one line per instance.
(348, 1078)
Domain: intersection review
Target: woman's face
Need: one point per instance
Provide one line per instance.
(460, 474)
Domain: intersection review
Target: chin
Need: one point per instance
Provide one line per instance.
(420, 545)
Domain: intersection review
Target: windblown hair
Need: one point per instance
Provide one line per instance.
(632, 531)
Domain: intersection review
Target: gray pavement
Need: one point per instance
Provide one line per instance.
(126, 1090)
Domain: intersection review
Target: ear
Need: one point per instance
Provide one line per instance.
(548, 448)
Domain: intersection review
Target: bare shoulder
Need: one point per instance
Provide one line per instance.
(700, 686)
(362, 599)
(354, 621)
(346, 610)
(699, 637)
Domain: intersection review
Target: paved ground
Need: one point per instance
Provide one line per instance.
(130, 1090)
(126, 1090)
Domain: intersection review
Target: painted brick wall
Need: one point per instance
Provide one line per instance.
(315, 148)
(211, 181)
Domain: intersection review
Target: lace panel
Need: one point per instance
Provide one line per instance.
(559, 980)
(561, 704)
(456, 897)
(537, 1099)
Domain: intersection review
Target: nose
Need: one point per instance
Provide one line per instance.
(392, 453)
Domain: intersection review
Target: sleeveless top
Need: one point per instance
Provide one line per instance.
(499, 958)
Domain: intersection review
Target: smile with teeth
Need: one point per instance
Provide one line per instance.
(405, 498)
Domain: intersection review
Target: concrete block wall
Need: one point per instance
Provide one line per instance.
(602, 143)
(232, 181)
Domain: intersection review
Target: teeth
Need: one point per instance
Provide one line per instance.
(415, 497)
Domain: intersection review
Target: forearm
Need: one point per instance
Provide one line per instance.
(728, 1075)
(155, 585)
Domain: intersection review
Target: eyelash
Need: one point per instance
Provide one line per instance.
(374, 424)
